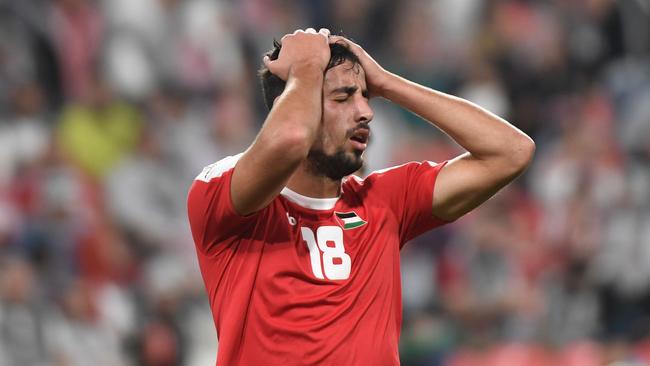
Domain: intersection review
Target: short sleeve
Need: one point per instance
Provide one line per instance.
(213, 219)
(408, 190)
(417, 216)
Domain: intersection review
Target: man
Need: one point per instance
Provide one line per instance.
(300, 260)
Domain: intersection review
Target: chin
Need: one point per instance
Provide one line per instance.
(335, 166)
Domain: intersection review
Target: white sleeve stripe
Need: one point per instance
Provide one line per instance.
(381, 171)
(431, 163)
(217, 169)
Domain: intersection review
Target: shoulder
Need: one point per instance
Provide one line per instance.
(377, 182)
(212, 182)
(390, 180)
(392, 171)
(397, 171)
(219, 168)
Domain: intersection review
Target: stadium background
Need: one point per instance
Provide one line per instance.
(108, 109)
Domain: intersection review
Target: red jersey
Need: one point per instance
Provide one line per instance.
(309, 281)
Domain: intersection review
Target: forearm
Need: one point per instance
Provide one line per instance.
(290, 129)
(497, 151)
(295, 117)
(481, 133)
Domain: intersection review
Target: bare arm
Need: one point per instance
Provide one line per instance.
(497, 152)
(291, 126)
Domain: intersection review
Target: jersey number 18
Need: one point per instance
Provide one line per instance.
(324, 258)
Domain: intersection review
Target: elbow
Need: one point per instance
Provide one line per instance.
(293, 145)
(521, 154)
(299, 142)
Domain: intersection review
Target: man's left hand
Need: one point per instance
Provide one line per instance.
(376, 76)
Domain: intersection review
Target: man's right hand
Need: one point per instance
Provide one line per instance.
(306, 47)
(290, 128)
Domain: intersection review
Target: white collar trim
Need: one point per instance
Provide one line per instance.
(309, 202)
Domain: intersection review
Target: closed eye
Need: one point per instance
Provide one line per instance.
(343, 93)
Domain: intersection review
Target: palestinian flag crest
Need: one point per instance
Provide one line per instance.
(349, 220)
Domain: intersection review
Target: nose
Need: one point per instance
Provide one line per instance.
(363, 113)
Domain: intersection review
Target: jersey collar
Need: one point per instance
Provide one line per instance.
(309, 202)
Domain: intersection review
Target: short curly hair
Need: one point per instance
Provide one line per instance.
(273, 86)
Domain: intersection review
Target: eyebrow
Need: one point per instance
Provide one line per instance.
(349, 90)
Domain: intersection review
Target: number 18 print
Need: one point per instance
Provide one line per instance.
(329, 259)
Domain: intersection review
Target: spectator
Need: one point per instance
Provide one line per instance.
(97, 133)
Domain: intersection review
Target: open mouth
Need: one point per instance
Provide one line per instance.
(360, 138)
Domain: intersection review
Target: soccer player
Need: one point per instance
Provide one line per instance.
(300, 258)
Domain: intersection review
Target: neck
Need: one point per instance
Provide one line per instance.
(316, 186)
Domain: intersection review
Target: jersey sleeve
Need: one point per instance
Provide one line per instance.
(213, 220)
(408, 190)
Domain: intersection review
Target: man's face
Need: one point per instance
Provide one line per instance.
(344, 133)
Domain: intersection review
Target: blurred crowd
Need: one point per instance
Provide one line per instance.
(109, 109)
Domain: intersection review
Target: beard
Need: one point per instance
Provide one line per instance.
(334, 166)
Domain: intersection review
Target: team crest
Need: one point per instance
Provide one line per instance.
(349, 220)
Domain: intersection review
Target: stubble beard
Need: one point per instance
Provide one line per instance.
(334, 166)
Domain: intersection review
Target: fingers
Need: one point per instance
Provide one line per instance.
(335, 38)
(299, 46)
(323, 31)
(353, 46)
(270, 65)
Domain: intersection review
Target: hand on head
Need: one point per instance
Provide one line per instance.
(375, 74)
(306, 47)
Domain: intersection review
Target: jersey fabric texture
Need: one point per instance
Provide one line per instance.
(308, 281)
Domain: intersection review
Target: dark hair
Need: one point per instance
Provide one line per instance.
(273, 86)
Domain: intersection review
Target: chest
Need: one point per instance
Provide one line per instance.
(335, 249)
